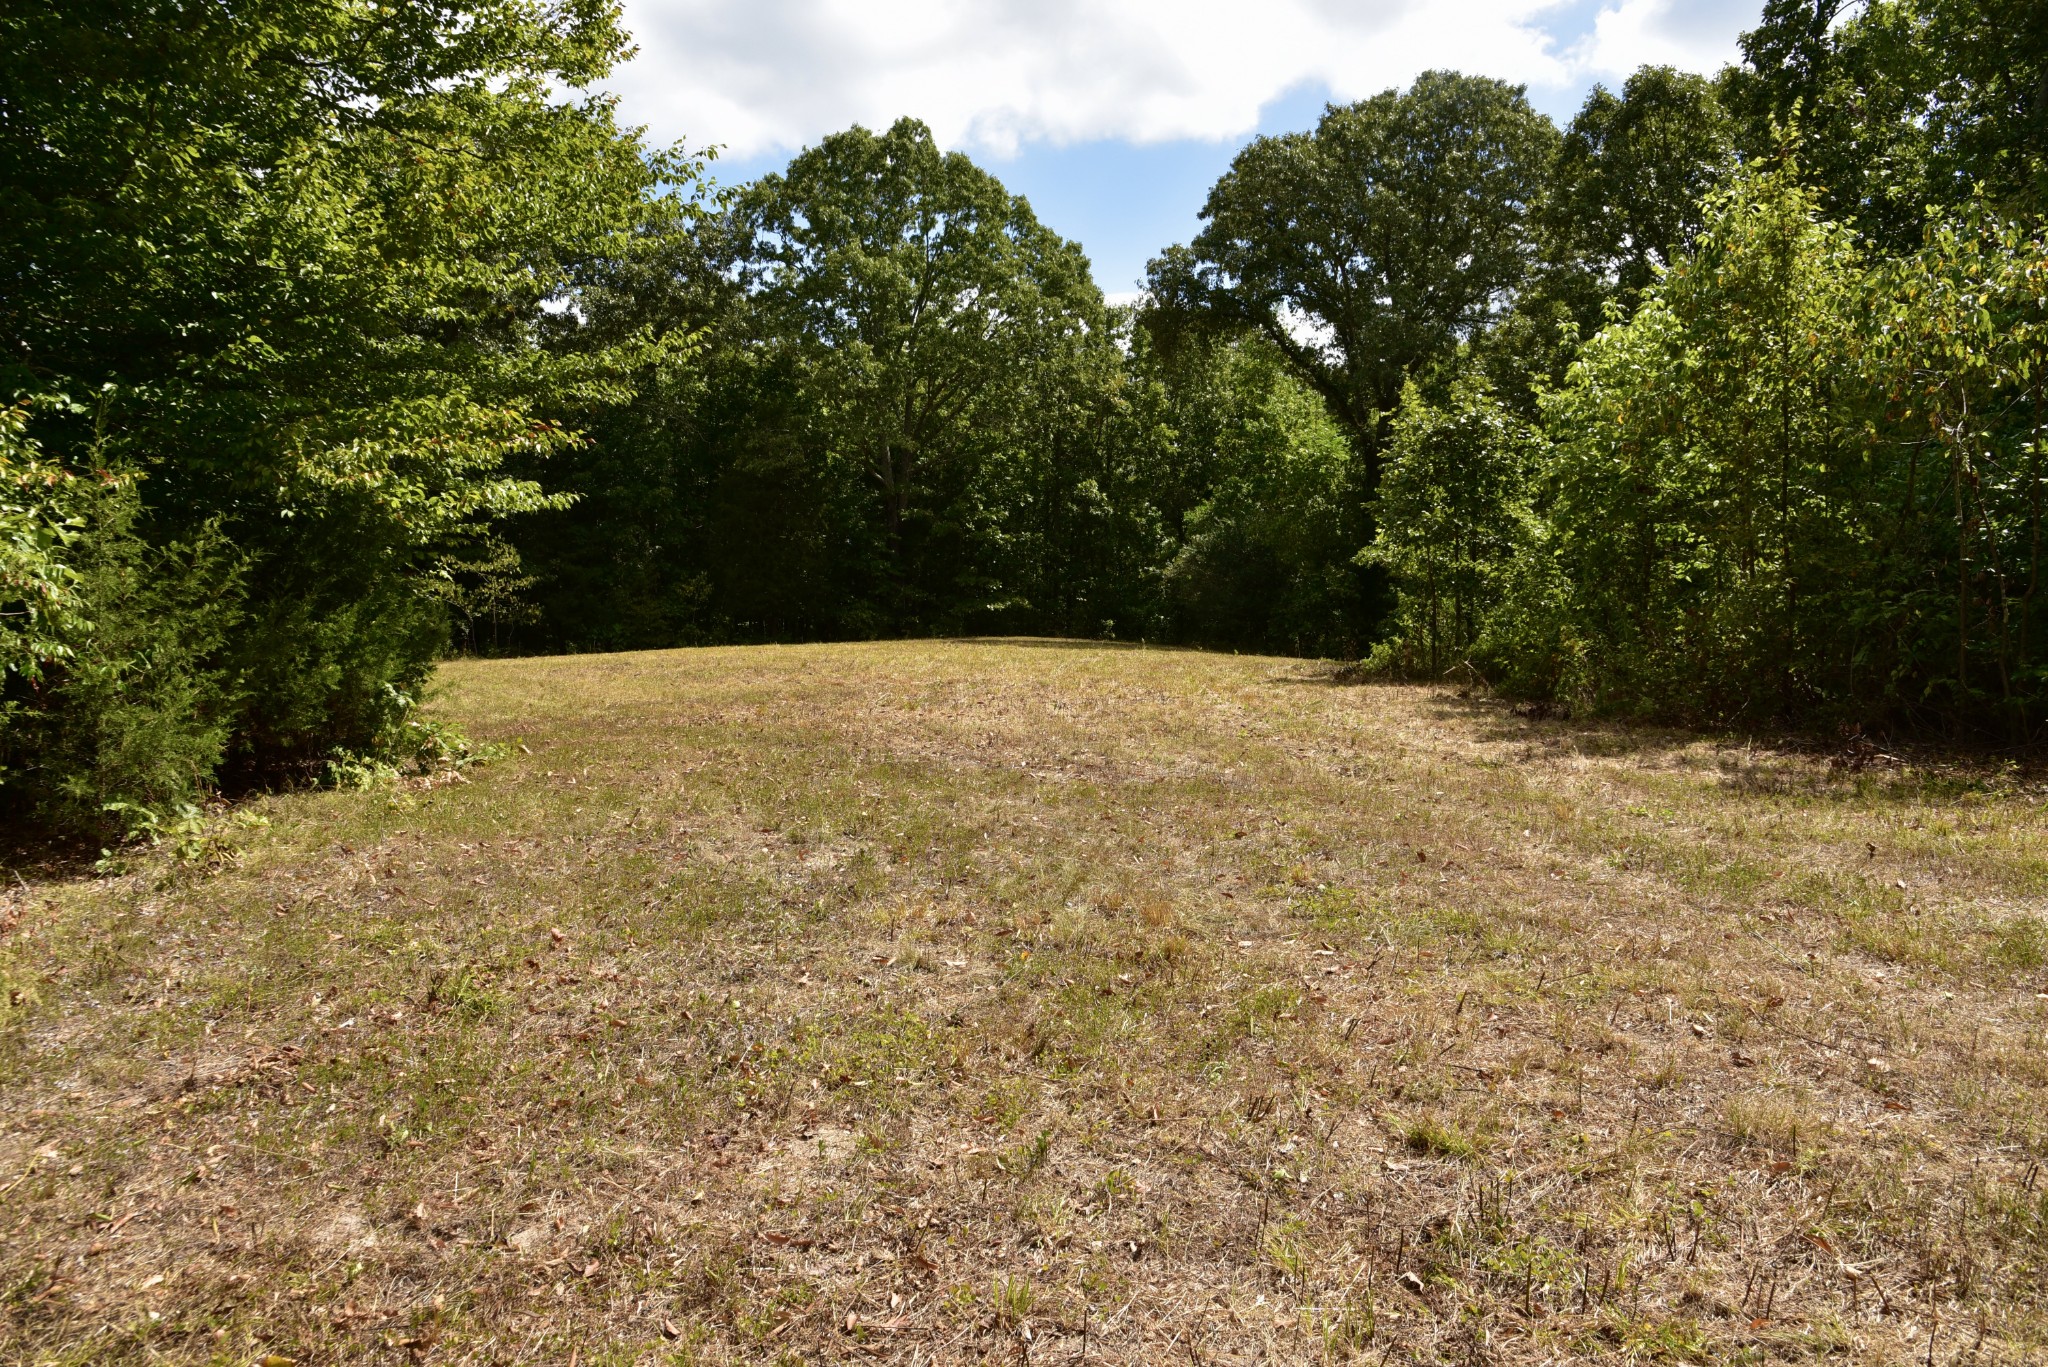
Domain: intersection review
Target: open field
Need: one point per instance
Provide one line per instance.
(950, 1002)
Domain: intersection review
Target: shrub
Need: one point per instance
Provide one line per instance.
(1453, 523)
(129, 719)
(1796, 486)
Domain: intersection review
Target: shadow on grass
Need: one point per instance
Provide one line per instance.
(1760, 761)
(1066, 643)
(31, 854)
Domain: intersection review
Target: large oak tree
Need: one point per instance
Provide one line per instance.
(927, 313)
(1374, 245)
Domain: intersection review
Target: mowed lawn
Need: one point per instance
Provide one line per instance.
(1035, 1002)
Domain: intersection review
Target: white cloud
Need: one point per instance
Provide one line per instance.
(766, 75)
(1697, 34)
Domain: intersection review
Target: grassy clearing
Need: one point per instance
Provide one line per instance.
(947, 1002)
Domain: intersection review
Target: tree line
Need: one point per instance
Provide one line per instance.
(335, 334)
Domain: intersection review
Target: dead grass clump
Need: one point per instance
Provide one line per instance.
(1783, 1124)
(1440, 1140)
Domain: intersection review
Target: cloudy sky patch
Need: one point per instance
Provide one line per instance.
(1104, 106)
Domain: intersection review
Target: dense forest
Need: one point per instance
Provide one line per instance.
(336, 335)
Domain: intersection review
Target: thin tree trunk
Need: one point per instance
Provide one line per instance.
(2034, 532)
(1962, 578)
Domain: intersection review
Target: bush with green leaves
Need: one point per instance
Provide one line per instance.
(1801, 485)
(1265, 559)
(113, 706)
(1704, 497)
(43, 514)
(308, 260)
(1453, 523)
(132, 720)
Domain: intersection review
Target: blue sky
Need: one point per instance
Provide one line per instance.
(1113, 117)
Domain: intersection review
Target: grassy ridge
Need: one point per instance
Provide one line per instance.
(963, 1001)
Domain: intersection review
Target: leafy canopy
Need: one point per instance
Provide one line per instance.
(925, 311)
(300, 267)
(1372, 247)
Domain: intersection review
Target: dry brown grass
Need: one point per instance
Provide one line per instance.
(948, 1002)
